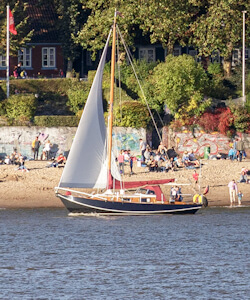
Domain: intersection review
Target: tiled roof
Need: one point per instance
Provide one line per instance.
(43, 20)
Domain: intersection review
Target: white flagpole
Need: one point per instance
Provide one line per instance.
(8, 54)
(243, 60)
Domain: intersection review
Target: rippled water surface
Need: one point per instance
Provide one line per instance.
(46, 254)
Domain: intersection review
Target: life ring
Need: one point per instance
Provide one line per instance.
(195, 198)
(200, 199)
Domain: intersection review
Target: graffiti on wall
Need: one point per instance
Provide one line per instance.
(186, 141)
(19, 139)
(126, 141)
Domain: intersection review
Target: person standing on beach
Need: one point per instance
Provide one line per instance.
(36, 148)
(143, 149)
(240, 195)
(233, 190)
(120, 159)
(47, 149)
(240, 148)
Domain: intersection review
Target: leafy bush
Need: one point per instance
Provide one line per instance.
(226, 122)
(215, 69)
(128, 79)
(77, 99)
(55, 121)
(20, 108)
(132, 114)
(180, 83)
(209, 121)
(241, 118)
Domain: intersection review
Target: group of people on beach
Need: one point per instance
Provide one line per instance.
(164, 160)
(46, 152)
(125, 156)
(237, 150)
(16, 159)
(60, 160)
(233, 187)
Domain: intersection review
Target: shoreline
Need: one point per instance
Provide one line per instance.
(35, 189)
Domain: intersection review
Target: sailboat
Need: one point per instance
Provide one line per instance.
(91, 165)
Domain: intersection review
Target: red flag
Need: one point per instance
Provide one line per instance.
(12, 28)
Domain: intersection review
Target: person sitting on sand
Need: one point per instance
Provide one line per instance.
(147, 155)
(7, 160)
(152, 164)
(193, 159)
(21, 164)
(61, 159)
(179, 162)
(162, 149)
(243, 175)
(185, 157)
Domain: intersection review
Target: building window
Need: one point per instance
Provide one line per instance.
(24, 57)
(177, 51)
(2, 61)
(147, 54)
(236, 57)
(247, 53)
(215, 57)
(49, 57)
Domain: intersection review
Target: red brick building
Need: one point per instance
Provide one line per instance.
(43, 55)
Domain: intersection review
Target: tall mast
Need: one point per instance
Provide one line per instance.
(111, 101)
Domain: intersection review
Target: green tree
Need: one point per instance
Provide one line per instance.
(71, 15)
(217, 28)
(166, 21)
(94, 32)
(24, 32)
(180, 83)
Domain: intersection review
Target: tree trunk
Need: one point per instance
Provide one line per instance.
(69, 73)
(170, 47)
(227, 67)
(205, 62)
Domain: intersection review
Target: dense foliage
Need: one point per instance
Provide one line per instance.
(131, 114)
(180, 83)
(20, 108)
(55, 121)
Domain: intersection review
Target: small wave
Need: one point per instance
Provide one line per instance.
(83, 214)
(95, 215)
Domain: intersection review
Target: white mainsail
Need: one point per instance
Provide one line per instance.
(86, 165)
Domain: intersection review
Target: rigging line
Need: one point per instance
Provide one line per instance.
(160, 118)
(144, 97)
(119, 76)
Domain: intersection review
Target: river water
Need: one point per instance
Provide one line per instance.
(47, 254)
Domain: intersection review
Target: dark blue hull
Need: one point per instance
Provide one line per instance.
(85, 205)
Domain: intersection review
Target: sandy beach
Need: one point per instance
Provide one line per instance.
(35, 189)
